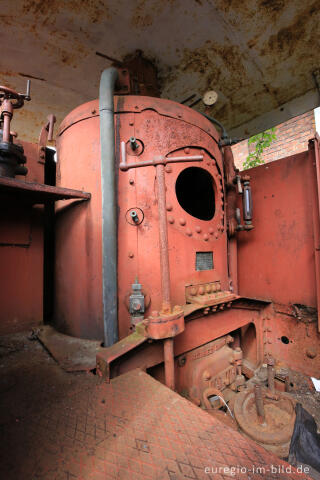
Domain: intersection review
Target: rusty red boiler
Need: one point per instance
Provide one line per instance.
(165, 264)
(169, 178)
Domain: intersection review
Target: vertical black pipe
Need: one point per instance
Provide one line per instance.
(109, 207)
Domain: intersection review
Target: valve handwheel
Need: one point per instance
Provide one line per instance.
(7, 93)
(12, 158)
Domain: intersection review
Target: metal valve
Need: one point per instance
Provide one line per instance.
(11, 155)
(133, 143)
(134, 216)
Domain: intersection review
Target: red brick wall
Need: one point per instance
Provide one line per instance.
(292, 137)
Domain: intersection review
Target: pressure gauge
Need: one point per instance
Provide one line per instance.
(210, 97)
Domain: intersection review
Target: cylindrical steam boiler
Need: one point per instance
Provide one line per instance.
(171, 222)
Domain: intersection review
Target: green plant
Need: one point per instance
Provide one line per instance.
(262, 140)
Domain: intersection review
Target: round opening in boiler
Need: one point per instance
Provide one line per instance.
(195, 192)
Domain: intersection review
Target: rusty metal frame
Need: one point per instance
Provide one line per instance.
(316, 223)
(40, 193)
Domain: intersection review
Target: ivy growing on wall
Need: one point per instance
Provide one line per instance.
(262, 141)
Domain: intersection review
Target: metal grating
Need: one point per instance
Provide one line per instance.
(204, 261)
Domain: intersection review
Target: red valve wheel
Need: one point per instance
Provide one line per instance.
(8, 93)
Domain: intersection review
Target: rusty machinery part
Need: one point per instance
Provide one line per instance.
(146, 296)
(217, 396)
(213, 396)
(7, 93)
(161, 151)
(136, 303)
(46, 135)
(137, 76)
(165, 325)
(241, 185)
(247, 206)
(214, 365)
(135, 216)
(268, 421)
(159, 160)
(12, 158)
(208, 294)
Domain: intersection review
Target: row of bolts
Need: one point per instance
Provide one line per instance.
(258, 390)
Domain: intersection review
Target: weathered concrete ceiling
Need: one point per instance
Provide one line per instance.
(259, 55)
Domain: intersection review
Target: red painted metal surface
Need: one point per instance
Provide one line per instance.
(39, 193)
(134, 428)
(293, 339)
(276, 259)
(195, 306)
(21, 254)
(314, 152)
(166, 129)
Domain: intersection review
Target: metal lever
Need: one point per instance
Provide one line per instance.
(27, 94)
(159, 160)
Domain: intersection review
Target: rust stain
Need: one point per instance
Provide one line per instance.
(146, 12)
(272, 6)
(7, 20)
(288, 39)
(217, 63)
(92, 9)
